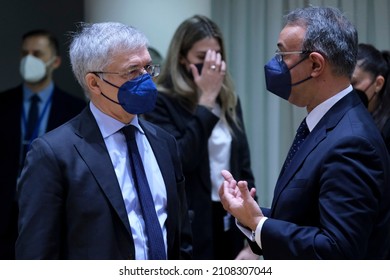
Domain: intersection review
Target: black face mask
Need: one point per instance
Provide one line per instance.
(199, 66)
(363, 97)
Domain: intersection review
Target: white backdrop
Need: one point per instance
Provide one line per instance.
(158, 19)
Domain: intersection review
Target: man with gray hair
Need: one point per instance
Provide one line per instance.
(332, 197)
(106, 185)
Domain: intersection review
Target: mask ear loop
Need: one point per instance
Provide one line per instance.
(304, 80)
(367, 87)
(51, 61)
(365, 90)
(299, 61)
(375, 93)
(112, 100)
(300, 82)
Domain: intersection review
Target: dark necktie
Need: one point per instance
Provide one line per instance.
(32, 116)
(152, 225)
(32, 119)
(300, 137)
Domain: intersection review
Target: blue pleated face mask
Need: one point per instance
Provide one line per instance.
(136, 96)
(278, 77)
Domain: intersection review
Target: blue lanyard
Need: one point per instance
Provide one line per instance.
(38, 124)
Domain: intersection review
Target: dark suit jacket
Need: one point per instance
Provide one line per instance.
(386, 134)
(71, 205)
(333, 201)
(192, 131)
(64, 106)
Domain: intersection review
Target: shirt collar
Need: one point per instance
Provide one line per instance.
(44, 94)
(319, 111)
(108, 125)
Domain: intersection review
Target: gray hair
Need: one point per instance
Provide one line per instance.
(93, 47)
(330, 33)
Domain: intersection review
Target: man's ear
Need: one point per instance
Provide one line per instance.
(318, 63)
(379, 82)
(92, 82)
(57, 62)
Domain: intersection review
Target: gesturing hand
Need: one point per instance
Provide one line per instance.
(239, 201)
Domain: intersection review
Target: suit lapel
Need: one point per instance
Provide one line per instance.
(94, 152)
(319, 133)
(311, 142)
(164, 161)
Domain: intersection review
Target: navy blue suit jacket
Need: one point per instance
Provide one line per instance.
(64, 107)
(71, 205)
(333, 201)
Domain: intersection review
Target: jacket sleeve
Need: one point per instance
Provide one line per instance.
(41, 203)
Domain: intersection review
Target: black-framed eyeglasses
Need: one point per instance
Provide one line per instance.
(279, 55)
(152, 70)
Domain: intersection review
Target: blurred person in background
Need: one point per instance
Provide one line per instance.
(27, 111)
(198, 105)
(371, 77)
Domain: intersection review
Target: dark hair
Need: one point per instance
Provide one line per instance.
(53, 41)
(377, 63)
(330, 33)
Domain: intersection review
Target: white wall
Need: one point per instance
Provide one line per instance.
(158, 19)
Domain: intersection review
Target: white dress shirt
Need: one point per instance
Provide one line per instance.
(219, 147)
(117, 148)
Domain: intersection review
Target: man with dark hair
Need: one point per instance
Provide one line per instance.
(331, 200)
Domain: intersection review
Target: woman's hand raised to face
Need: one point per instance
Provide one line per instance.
(210, 80)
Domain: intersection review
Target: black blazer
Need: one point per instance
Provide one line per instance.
(71, 205)
(192, 131)
(386, 134)
(64, 106)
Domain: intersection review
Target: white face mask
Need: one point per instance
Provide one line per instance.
(33, 69)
